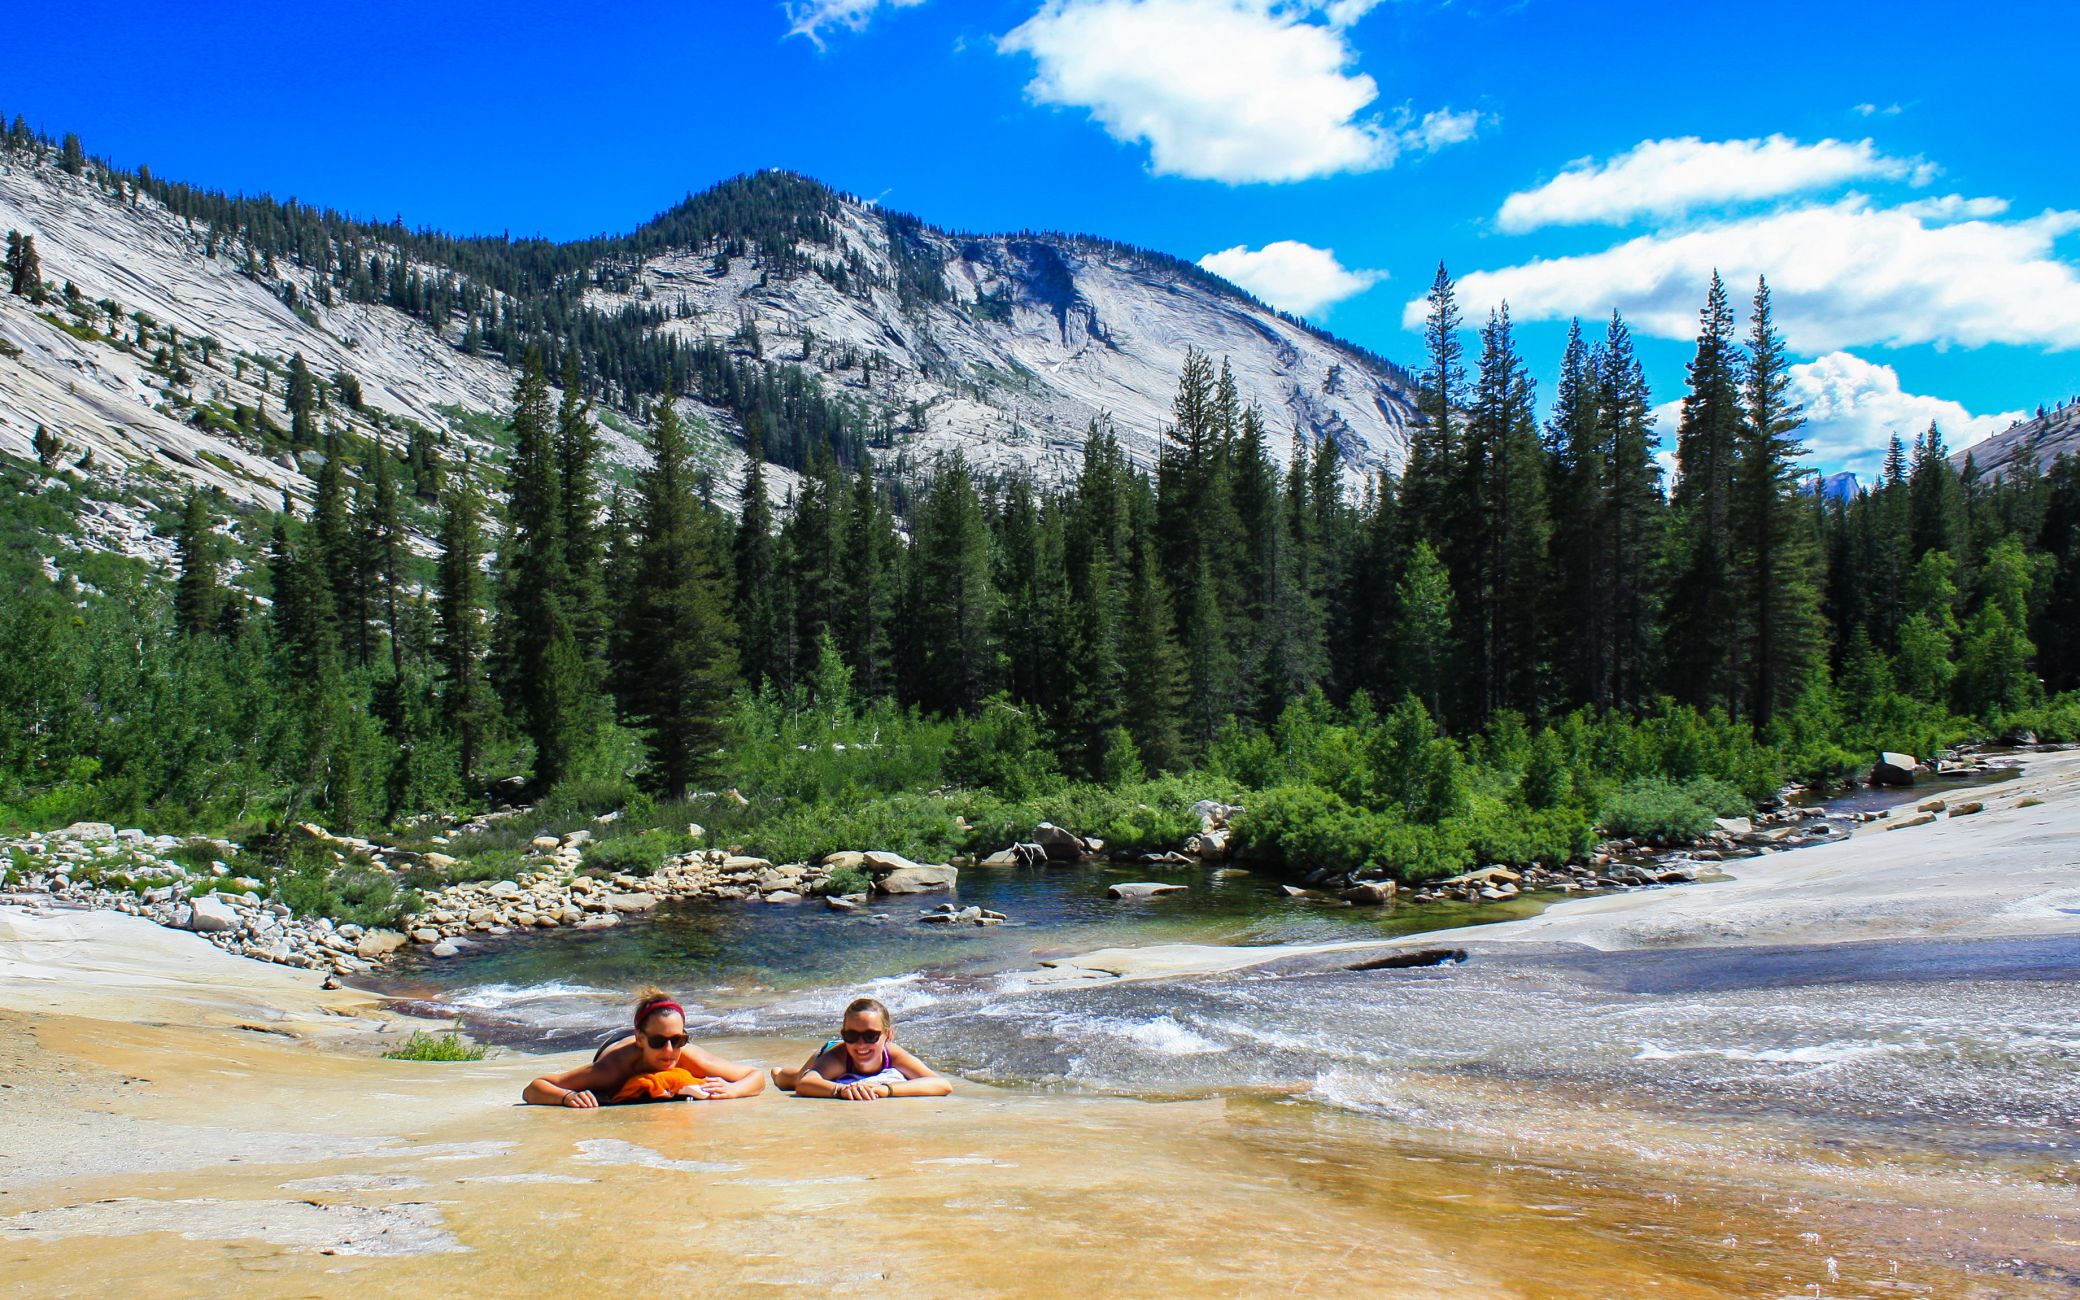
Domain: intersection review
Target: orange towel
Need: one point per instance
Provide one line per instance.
(656, 1087)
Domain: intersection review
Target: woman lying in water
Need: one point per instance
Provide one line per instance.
(863, 1063)
(657, 1062)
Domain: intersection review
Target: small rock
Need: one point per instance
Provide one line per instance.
(840, 904)
(426, 934)
(632, 902)
(446, 948)
(1967, 809)
(783, 896)
(1370, 893)
(1150, 889)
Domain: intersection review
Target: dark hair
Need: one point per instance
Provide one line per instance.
(652, 999)
(859, 1005)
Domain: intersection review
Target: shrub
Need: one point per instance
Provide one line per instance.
(422, 1046)
(1657, 809)
(637, 854)
(846, 880)
(311, 883)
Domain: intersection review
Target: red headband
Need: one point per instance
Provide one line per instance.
(649, 1009)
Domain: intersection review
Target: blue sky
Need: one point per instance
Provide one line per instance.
(1903, 174)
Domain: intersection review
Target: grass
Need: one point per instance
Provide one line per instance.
(422, 1046)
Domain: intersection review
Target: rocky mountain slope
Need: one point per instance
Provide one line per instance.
(2054, 432)
(162, 345)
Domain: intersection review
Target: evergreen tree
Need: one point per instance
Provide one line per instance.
(866, 582)
(952, 600)
(71, 156)
(584, 545)
(680, 648)
(199, 598)
(1580, 616)
(1993, 673)
(1151, 663)
(1423, 630)
(1632, 523)
(1429, 477)
(50, 449)
(1507, 554)
(461, 643)
(759, 612)
(24, 268)
(1935, 499)
(384, 553)
(1699, 653)
(542, 671)
(1771, 523)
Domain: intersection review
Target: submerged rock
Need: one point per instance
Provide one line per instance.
(1142, 889)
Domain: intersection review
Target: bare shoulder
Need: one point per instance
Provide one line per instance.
(906, 1061)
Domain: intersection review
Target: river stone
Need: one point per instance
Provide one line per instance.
(915, 879)
(1967, 809)
(439, 861)
(209, 914)
(426, 934)
(1734, 825)
(1061, 845)
(1893, 769)
(632, 902)
(446, 948)
(1921, 819)
(844, 858)
(783, 896)
(838, 903)
(377, 942)
(1142, 889)
(1371, 893)
(505, 889)
(739, 862)
(87, 831)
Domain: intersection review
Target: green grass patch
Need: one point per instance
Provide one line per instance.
(422, 1046)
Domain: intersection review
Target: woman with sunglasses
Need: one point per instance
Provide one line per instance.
(863, 1063)
(659, 1044)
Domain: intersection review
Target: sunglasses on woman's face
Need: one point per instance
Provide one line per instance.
(860, 1035)
(658, 1042)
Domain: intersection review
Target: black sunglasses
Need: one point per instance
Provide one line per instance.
(658, 1042)
(860, 1035)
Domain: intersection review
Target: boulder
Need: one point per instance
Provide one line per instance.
(1893, 769)
(1060, 845)
(375, 943)
(738, 862)
(1208, 844)
(505, 889)
(1919, 819)
(840, 904)
(1734, 825)
(915, 878)
(577, 839)
(544, 843)
(446, 948)
(1371, 893)
(783, 896)
(1142, 889)
(1484, 876)
(89, 831)
(843, 859)
(632, 902)
(439, 861)
(1967, 809)
(209, 914)
(426, 934)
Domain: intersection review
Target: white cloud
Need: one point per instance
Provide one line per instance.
(1666, 177)
(810, 17)
(1442, 127)
(1290, 275)
(1873, 110)
(1226, 90)
(1953, 207)
(1843, 275)
(1854, 406)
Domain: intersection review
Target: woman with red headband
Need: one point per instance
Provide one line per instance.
(658, 1062)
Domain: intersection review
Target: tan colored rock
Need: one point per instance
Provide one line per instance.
(632, 902)
(375, 943)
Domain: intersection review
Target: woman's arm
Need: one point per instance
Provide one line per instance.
(919, 1079)
(581, 1089)
(737, 1079)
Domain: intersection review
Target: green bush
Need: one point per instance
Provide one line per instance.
(422, 1046)
(1660, 810)
(846, 880)
(637, 854)
(311, 883)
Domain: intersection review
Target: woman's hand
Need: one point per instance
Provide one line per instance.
(580, 1099)
(712, 1088)
(864, 1091)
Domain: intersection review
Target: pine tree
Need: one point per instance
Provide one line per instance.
(1578, 629)
(866, 581)
(584, 545)
(542, 669)
(1631, 515)
(71, 156)
(1699, 653)
(680, 647)
(461, 643)
(1151, 663)
(1993, 670)
(1430, 476)
(25, 268)
(384, 551)
(1423, 630)
(758, 612)
(1771, 524)
(303, 404)
(1507, 553)
(1935, 499)
(50, 449)
(199, 596)
(952, 599)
